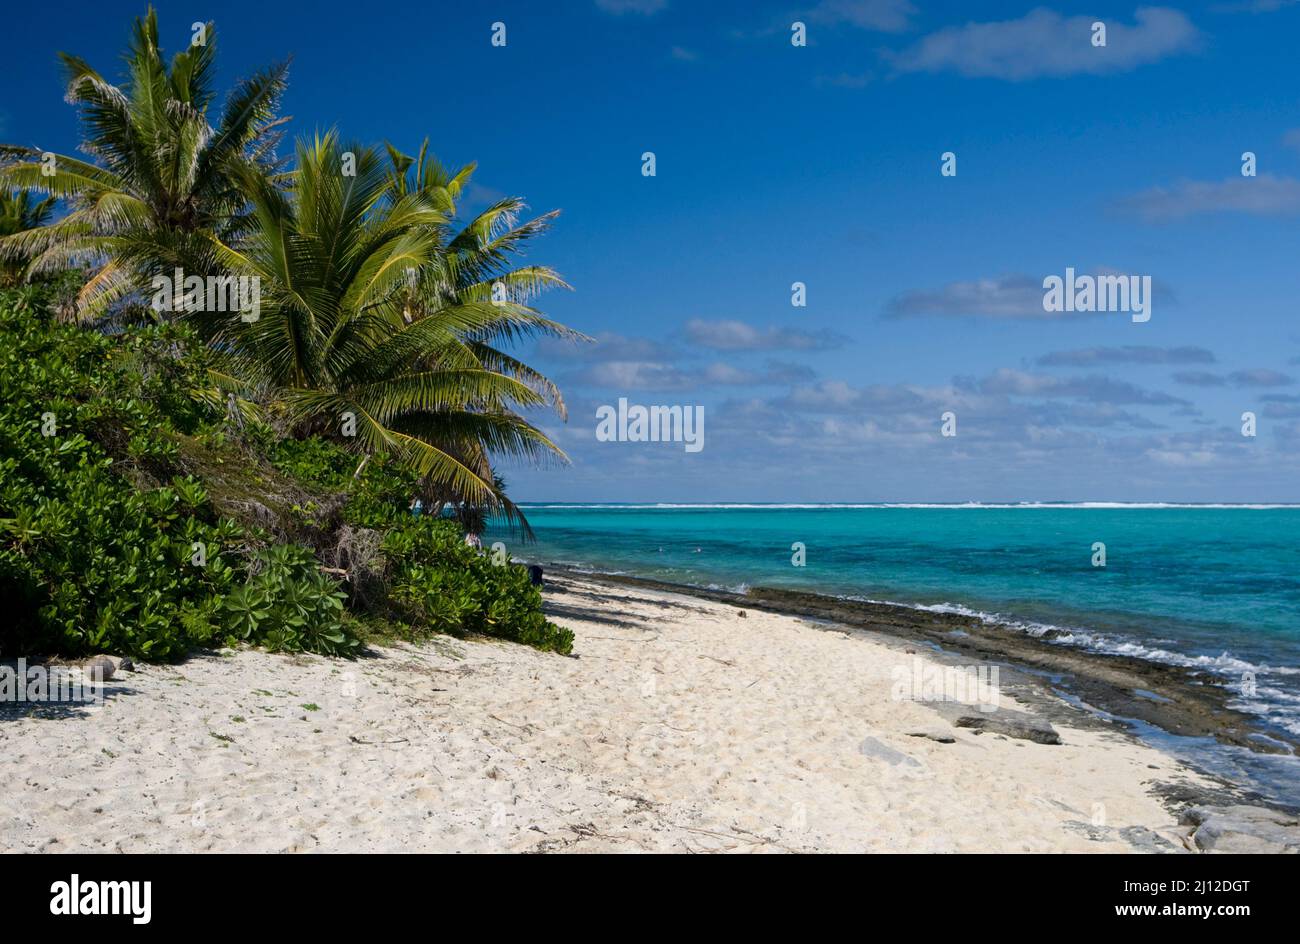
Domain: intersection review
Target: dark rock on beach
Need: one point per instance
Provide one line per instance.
(1004, 721)
(1139, 838)
(1243, 829)
(931, 734)
(102, 664)
(1148, 841)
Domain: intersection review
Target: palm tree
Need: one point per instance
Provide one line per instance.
(20, 212)
(374, 307)
(341, 258)
(161, 175)
(475, 264)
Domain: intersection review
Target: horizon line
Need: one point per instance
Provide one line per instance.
(907, 504)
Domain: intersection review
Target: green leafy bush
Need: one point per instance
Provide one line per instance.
(288, 604)
(445, 585)
(436, 581)
(107, 545)
(90, 561)
(95, 554)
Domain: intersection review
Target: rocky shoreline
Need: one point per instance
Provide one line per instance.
(1120, 689)
(1175, 699)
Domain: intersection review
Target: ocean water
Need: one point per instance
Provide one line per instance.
(1214, 587)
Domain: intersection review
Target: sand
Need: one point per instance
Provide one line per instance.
(679, 726)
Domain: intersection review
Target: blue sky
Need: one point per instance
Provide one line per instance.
(820, 164)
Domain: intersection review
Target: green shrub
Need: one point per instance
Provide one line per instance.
(90, 562)
(96, 557)
(449, 587)
(379, 498)
(106, 545)
(436, 581)
(287, 604)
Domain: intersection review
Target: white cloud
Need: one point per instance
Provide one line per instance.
(730, 335)
(608, 346)
(1008, 296)
(1265, 195)
(1044, 43)
(1182, 458)
(655, 375)
(1095, 389)
(1200, 378)
(1128, 354)
(1260, 377)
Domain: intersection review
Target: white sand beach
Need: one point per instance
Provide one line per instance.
(679, 726)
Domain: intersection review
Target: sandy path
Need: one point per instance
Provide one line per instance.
(680, 727)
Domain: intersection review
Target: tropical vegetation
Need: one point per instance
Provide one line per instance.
(182, 474)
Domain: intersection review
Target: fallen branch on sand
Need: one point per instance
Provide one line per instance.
(356, 740)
